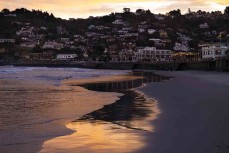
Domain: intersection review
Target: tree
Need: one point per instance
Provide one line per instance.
(5, 11)
(126, 10)
(226, 11)
(216, 12)
(140, 11)
(148, 12)
(175, 13)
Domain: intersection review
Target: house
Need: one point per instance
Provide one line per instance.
(28, 44)
(85, 55)
(44, 28)
(151, 31)
(102, 28)
(150, 54)
(26, 31)
(42, 56)
(90, 34)
(91, 27)
(212, 51)
(7, 40)
(118, 22)
(53, 45)
(204, 26)
(141, 30)
(66, 56)
(65, 40)
(131, 35)
(157, 42)
(10, 15)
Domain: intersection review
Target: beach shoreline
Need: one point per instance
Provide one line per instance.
(126, 119)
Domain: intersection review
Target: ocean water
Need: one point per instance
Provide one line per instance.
(35, 104)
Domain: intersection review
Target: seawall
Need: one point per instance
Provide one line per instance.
(213, 65)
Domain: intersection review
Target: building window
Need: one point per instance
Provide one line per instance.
(218, 52)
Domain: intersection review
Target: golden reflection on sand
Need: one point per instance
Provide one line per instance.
(95, 136)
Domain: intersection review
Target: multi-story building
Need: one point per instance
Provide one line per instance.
(151, 54)
(212, 51)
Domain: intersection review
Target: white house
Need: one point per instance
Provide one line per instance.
(212, 51)
(53, 45)
(118, 22)
(141, 30)
(66, 56)
(204, 26)
(131, 35)
(152, 54)
(151, 31)
(157, 42)
(65, 40)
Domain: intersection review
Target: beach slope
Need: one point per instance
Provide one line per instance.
(194, 113)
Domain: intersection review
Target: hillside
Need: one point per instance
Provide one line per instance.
(176, 31)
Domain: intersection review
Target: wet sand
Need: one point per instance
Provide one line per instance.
(120, 127)
(194, 114)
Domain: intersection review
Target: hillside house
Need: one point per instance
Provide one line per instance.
(212, 51)
(66, 56)
(53, 45)
(150, 54)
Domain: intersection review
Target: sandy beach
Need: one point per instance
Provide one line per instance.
(194, 113)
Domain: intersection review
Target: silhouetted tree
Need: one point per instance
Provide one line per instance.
(126, 10)
(175, 13)
(140, 11)
(5, 11)
(226, 11)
